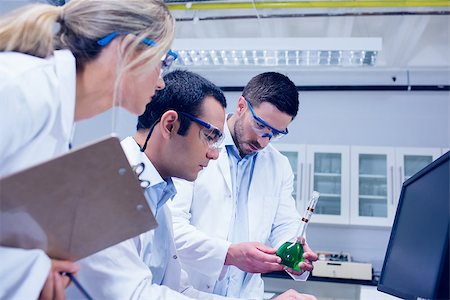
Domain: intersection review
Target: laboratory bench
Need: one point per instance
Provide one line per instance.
(324, 288)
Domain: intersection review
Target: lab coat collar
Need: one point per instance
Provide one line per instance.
(228, 140)
(223, 162)
(163, 190)
(135, 156)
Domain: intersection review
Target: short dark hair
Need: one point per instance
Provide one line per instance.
(274, 88)
(184, 92)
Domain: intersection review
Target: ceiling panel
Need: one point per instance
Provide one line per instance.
(412, 36)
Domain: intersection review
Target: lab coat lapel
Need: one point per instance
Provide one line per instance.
(224, 166)
(257, 195)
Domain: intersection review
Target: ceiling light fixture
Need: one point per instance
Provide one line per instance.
(241, 52)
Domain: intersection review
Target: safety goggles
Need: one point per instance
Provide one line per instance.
(262, 128)
(210, 134)
(166, 61)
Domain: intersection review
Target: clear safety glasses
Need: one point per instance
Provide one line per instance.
(166, 61)
(210, 134)
(262, 128)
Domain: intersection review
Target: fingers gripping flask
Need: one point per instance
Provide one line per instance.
(291, 252)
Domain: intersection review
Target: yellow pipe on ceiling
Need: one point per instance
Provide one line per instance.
(308, 4)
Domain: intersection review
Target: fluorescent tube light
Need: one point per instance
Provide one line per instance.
(277, 52)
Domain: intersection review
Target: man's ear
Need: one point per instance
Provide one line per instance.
(241, 105)
(169, 123)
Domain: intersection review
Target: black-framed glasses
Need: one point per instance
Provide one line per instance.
(210, 134)
(166, 61)
(262, 128)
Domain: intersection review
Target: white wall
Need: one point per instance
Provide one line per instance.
(370, 118)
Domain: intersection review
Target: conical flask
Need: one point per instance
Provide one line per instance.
(291, 252)
(291, 256)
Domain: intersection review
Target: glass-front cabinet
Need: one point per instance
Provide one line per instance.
(324, 169)
(296, 155)
(357, 185)
(372, 186)
(328, 173)
(409, 161)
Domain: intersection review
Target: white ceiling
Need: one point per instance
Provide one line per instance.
(418, 40)
(408, 40)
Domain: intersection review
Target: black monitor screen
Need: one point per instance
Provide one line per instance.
(416, 263)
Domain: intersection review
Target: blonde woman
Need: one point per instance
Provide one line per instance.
(59, 65)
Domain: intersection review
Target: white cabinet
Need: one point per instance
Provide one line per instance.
(324, 169)
(358, 185)
(409, 161)
(377, 177)
(328, 173)
(296, 155)
(372, 181)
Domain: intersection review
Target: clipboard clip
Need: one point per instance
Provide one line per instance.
(138, 170)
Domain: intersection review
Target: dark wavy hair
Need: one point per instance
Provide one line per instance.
(184, 92)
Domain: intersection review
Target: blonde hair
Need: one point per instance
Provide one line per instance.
(82, 23)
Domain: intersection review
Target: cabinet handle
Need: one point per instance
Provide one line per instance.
(392, 185)
(400, 172)
(309, 181)
(300, 191)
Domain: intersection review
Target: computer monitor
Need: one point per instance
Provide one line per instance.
(416, 264)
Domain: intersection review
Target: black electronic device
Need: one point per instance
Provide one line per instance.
(416, 264)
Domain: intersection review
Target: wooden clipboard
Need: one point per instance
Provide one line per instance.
(74, 205)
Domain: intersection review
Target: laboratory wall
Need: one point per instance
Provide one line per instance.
(368, 118)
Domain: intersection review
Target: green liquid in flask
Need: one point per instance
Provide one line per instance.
(291, 253)
(291, 256)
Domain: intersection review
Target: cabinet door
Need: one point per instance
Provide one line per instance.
(409, 161)
(296, 156)
(372, 186)
(328, 173)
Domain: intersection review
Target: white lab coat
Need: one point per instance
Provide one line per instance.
(202, 212)
(119, 272)
(22, 273)
(37, 108)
